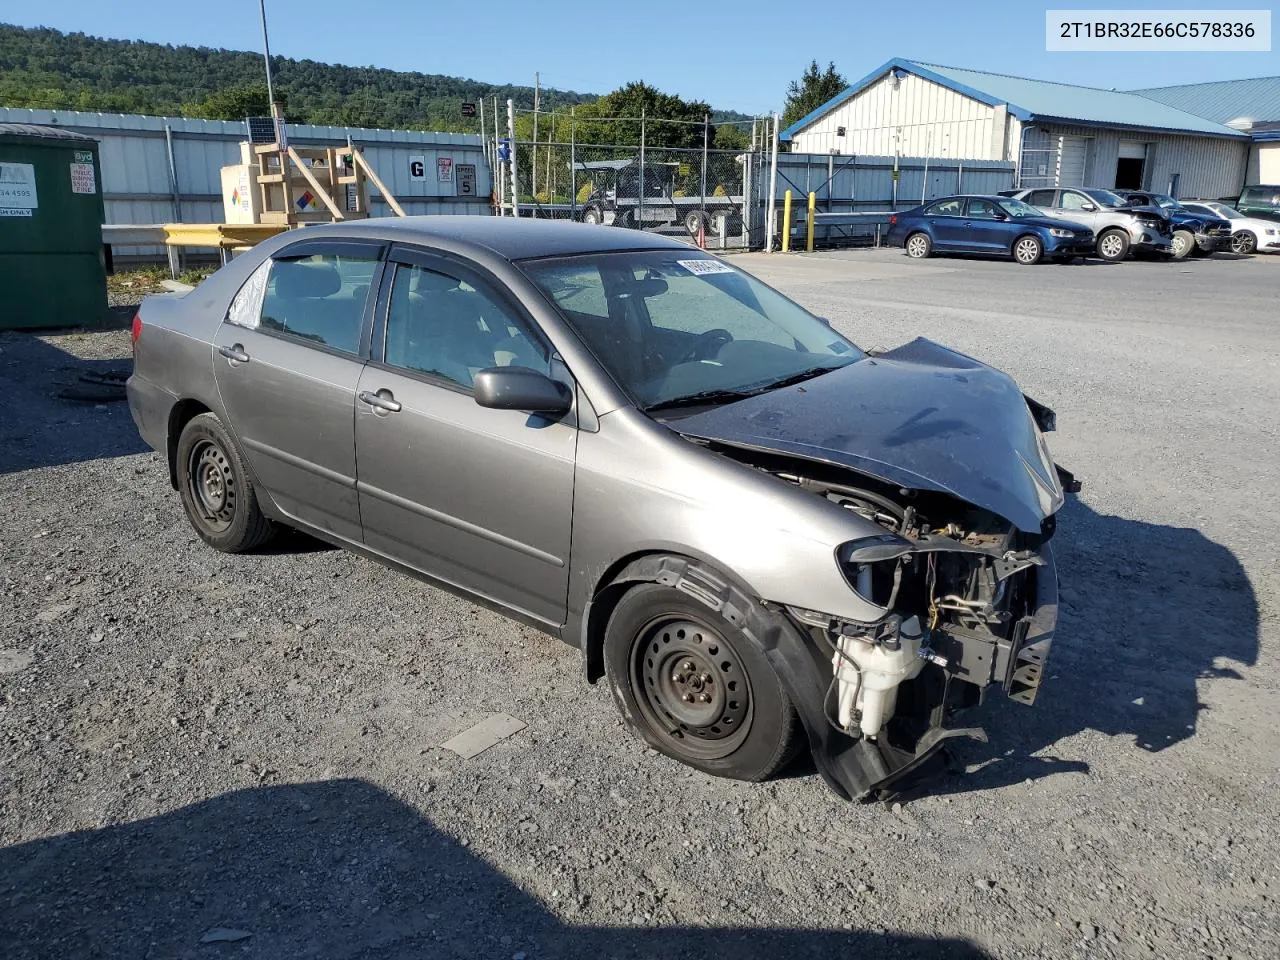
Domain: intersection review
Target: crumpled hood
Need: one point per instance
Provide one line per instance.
(920, 416)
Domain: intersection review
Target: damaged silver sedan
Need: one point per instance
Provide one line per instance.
(761, 535)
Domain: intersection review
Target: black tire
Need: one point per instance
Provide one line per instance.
(1027, 250)
(593, 215)
(918, 246)
(1184, 241)
(1243, 242)
(695, 219)
(216, 492)
(662, 646)
(1113, 245)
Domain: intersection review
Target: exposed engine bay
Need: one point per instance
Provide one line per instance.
(965, 601)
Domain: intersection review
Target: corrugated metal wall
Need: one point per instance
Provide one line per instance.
(865, 183)
(1203, 166)
(908, 116)
(135, 163)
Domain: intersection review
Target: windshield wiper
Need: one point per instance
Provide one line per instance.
(701, 398)
(800, 377)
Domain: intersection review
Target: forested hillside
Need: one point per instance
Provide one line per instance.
(47, 68)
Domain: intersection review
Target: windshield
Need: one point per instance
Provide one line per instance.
(1106, 198)
(1166, 202)
(1016, 208)
(670, 325)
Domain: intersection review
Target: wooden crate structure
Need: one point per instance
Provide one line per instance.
(301, 184)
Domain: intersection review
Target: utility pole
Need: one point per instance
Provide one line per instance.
(276, 120)
(536, 85)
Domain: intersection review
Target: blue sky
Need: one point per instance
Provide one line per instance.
(735, 54)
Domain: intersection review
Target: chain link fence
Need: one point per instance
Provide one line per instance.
(700, 180)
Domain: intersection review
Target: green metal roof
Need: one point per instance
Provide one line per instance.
(1039, 101)
(1257, 99)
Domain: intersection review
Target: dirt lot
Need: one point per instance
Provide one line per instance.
(199, 747)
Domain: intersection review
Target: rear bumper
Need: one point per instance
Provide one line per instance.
(150, 406)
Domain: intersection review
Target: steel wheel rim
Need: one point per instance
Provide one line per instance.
(1027, 250)
(212, 482)
(691, 688)
(1179, 246)
(1111, 246)
(1241, 243)
(916, 246)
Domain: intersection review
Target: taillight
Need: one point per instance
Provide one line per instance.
(136, 330)
(893, 220)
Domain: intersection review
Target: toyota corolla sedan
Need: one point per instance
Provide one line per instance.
(992, 225)
(761, 535)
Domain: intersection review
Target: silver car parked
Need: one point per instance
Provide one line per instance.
(1120, 228)
(755, 530)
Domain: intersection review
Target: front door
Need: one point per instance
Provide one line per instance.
(479, 498)
(287, 361)
(986, 233)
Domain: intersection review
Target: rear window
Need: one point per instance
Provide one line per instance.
(1262, 195)
(320, 299)
(946, 208)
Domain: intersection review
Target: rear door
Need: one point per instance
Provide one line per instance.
(287, 361)
(946, 222)
(479, 498)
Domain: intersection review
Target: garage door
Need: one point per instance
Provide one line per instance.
(1071, 156)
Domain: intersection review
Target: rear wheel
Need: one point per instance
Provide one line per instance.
(1028, 250)
(1243, 243)
(919, 246)
(214, 486)
(593, 215)
(1113, 245)
(1184, 241)
(696, 687)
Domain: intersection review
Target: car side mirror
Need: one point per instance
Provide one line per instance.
(1088, 207)
(519, 388)
(1000, 216)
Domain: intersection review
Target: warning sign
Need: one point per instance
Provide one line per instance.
(82, 178)
(444, 169)
(17, 189)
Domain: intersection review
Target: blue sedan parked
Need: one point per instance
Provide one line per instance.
(992, 225)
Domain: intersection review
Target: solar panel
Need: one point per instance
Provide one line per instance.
(261, 129)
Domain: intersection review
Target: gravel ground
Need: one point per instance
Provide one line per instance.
(245, 750)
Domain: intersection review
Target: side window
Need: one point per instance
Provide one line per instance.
(444, 326)
(946, 208)
(320, 298)
(246, 308)
(1074, 201)
(1041, 198)
(982, 209)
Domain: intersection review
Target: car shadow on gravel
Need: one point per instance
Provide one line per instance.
(336, 869)
(1146, 613)
(61, 409)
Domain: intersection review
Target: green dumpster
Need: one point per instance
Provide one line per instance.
(52, 271)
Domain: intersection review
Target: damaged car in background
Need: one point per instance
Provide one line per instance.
(760, 535)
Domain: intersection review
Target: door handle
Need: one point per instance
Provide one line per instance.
(234, 353)
(388, 403)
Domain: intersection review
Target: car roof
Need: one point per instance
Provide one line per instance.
(967, 196)
(509, 237)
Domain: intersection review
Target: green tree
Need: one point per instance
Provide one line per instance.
(235, 103)
(814, 88)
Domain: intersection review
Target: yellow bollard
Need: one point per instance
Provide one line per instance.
(808, 223)
(786, 222)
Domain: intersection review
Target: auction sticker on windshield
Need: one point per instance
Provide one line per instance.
(703, 267)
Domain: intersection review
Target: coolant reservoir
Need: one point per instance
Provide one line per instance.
(882, 670)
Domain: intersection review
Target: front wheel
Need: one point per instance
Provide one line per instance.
(1184, 241)
(1028, 250)
(919, 246)
(696, 687)
(593, 215)
(214, 485)
(1113, 245)
(1243, 243)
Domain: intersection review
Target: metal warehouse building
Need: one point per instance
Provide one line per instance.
(1250, 106)
(1057, 134)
